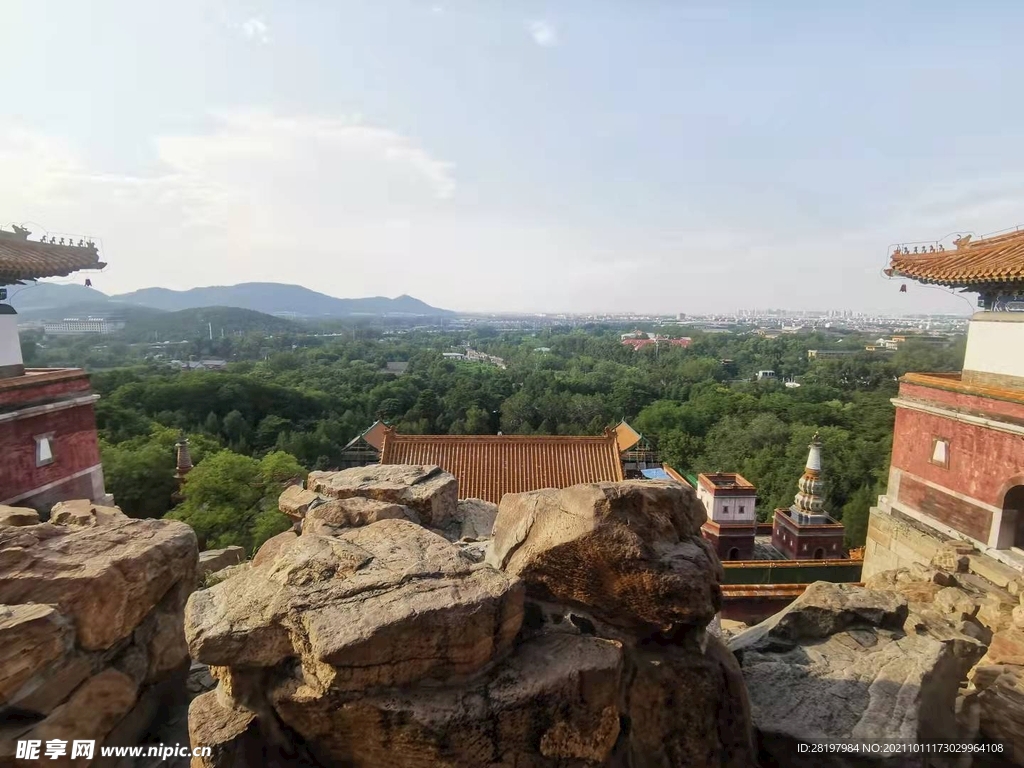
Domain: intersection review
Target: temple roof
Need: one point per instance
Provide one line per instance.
(990, 261)
(24, 259)
(489, 466)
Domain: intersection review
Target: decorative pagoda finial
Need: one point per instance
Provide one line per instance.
(809, 500)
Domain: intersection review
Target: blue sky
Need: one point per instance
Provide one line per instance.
(579, 156)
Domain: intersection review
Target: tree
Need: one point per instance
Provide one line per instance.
(855, 516)
(231, 499)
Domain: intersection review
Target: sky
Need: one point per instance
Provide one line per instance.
(580, 155)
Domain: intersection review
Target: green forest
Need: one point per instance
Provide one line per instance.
(288, 404)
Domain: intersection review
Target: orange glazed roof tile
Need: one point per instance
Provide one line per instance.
(989, 261)
(489, 466)
(22, 259)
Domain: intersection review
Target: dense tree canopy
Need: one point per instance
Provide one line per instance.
(305, 397)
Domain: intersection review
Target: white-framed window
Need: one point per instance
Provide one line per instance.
(725, 510)
(742, 509)
(940, 452)
(44, 449)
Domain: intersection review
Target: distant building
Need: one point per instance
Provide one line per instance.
(766, 375)
(396, 368)
(827, 354)
(208, 364)
(183, 465)
(364, 449)
(453, 356)
(48, 437)
(805, 530)
(731, 504)
(635, 451)
(957, 467)
(74, 326)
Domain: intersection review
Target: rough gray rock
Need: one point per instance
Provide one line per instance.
(836, 665)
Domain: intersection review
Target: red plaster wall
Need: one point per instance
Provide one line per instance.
(981, 461)
(958, 514)
(75, 447)
(963, 401)
(724, 540)
(50, 387)
(813, 537)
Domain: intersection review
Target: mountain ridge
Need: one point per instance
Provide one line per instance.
(268, 298)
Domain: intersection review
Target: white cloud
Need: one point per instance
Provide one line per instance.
(437, 9)
(326, 202)
(255, 28)
(543, 33)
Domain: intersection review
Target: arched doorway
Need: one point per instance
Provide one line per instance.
(734, 553)
(819, 554)
(1013, 515)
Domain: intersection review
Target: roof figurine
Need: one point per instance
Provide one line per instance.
(23, 259)
(990, 266)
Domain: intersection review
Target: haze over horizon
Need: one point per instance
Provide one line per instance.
(543, 157)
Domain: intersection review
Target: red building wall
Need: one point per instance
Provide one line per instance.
(74, 445)
(982, 461)
(802, 541)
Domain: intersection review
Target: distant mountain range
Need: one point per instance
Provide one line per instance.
(269, 298)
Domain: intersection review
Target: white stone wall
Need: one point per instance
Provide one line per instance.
(995, 344)
(10, 345)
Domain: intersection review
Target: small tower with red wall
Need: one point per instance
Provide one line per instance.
(731, 504)
(805, 531)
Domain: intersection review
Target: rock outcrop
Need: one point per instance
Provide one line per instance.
(841, 664)
(213, 560)
(629, 553)
(386, 644)
(429, 491)
(91, 616)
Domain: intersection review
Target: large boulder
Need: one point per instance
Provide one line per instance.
(274, 546)
(428, 490)
(386, 604)
(629, 554)
(554, 703)
(837, 665)
(91, 625)
(105, 578)
(295, 501)
(1001, 700)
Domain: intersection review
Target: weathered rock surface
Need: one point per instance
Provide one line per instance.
(552, 703)
(106, 578)
(386, 604)
(16, 516)
(385, 644)
(31, 636)
(630, 553)
(1001, 700)
(835, 665)
(84, 512)
(430, 491)
(91, 624)
(474, 519)
(669, 729)
(334, 516)
(295, 501)
(213, 560)
(273, 547)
